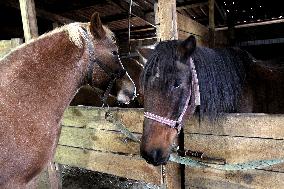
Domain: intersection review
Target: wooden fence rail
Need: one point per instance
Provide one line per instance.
(89, 141)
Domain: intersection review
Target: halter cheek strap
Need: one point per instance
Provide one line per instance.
(194, 99)
(113, 75)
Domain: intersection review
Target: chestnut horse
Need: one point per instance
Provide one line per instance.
(179, 76)
(37, 82)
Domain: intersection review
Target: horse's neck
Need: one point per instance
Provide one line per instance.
(43, 75)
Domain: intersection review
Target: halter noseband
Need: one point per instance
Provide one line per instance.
(113, 75)
(195, 99)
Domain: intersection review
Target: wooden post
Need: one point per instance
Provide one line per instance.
(167, 17)
(211, 4)
(157, 22)
(29, 19)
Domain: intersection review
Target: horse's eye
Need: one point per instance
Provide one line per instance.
(113, 38)
(177, 84)
(114, 53)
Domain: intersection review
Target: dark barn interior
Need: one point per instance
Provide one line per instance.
(256, 26)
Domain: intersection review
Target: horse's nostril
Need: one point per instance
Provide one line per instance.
(154, 157)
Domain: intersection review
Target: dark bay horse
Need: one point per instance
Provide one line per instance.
(37, 82)
(178, 77)
(89, 96)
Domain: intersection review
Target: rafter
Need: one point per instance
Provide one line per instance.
(40, 13)
(191, 4)
(136, 11)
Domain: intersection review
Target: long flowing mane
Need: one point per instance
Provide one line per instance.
(222, 74)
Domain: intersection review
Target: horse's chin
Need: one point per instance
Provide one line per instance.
(122, 98)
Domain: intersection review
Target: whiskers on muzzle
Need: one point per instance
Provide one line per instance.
(125, 96)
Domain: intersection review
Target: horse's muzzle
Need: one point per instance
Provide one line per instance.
(155, 157)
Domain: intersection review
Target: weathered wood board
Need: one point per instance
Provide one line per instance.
(215, 179)
(87, 140)
(7, 45)
(29, 21)
(237, 138)
(187, 27)
(167, 16)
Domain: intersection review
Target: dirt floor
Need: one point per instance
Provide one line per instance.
(77, 178)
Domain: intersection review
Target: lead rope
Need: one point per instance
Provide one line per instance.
(258, 164)
(163, 184)
(129, 25)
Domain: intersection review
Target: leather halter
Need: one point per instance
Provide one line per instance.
(113, 75)
(192, 101)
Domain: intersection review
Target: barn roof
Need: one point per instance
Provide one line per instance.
(114, 13)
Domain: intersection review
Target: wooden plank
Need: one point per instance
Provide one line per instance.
(260, 23)
(95, 118)
(157, 21)
(29, 19)
(50, 177)
(108, 139)
(190, 5)
(247, 125)
(42, 13)
(7, 45)
(187, 26)
(235, 149)
(211, 6)
(216, 179)
(132, 167)
(236, 138)
(100, 140)
(173, 176)
(168, 20)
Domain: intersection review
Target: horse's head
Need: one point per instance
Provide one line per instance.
(167, 80)
(107, 66)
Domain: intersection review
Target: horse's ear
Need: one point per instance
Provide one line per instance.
(187, 47)
(145, 53)
(96, 26)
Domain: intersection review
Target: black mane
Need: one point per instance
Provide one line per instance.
(164, 52)
(221, 74)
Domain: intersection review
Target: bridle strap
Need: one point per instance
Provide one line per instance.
(194, 99)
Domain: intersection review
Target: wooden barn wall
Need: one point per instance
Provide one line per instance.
(87, 140)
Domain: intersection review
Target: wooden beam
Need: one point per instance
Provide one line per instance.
(157, 22)
(187, 26)
(243, 125)
(211, 5)
(261, 42)
(53, 17)
(41, 13)
(29, 19)
(277, 21)
(215, 179)
(132, 167)
(167, 16)
(221, 11)
(192, 5)
(136, 11)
